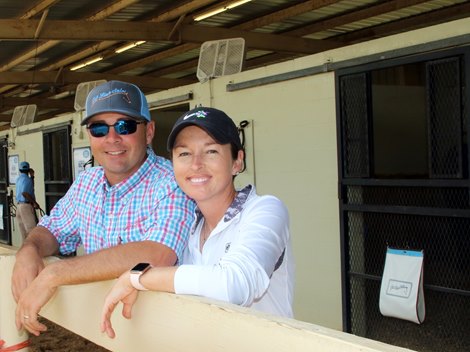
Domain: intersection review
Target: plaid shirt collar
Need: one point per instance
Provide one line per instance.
(126, 186)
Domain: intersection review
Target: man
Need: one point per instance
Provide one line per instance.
(126, 211)
(25, 210)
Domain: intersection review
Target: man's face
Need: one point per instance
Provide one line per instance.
(120, 155)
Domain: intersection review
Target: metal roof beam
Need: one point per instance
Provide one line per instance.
(413, 22)
(368, 11)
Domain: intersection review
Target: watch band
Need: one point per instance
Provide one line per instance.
(135, 281)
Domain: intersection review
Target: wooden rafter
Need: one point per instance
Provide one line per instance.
(68, 77)
(150, 31)
(95, 35)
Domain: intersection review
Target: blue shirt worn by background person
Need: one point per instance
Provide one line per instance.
(24, 184)
(148, 205)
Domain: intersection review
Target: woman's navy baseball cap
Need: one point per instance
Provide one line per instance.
(116, 96)
(213, 121)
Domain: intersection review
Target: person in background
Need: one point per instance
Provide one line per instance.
(239, 249)
(125, 211)
(26, 199)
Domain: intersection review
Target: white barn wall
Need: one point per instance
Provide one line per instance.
(28, 144)
(295, 155)
(28, 148)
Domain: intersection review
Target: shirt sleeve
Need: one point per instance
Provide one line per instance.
(62, 222)
(243, 274)
(173, 218)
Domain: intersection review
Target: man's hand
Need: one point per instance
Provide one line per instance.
(27, 267)
(32, 299)
(121, 291)
(31, 284)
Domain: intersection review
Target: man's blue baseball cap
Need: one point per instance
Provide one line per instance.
(24, 166)
(116, 96)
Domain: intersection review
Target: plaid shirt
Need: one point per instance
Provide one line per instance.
(148, 205)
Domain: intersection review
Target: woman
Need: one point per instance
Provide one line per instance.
(239, 249)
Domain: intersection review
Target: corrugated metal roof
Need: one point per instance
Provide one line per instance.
(177, 57)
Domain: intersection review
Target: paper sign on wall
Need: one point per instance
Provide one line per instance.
(81, 158)
(13, 168)
(1, 212)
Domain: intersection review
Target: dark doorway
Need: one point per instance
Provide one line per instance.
(5, 199)
(57, 165)
(164, 120)
(404, 182)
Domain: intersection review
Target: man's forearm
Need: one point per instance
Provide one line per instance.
(29, 197)
(107, 264)
(42, 241)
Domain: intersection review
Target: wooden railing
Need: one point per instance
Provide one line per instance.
(168, 322)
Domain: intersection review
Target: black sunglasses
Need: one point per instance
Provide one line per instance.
(122, 127)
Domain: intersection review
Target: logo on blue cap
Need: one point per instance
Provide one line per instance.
(110, 93)
(119, 97)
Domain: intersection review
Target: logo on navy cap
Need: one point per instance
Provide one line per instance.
(200, 114)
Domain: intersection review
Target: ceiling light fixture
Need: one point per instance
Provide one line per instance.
(128, 46)
(86, 63)
(220, 9)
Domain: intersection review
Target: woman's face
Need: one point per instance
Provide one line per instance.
(203, 168)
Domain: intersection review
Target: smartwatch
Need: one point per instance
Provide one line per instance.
(136, 272)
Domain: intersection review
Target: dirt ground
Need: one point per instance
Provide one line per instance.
(58, 339)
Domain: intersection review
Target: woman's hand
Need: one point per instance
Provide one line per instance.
(121, 291)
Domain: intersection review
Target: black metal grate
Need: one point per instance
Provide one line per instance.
(355, 125)
(435, 197)
(445, 240)
(427, 208)
(445, 122)
(446, 327)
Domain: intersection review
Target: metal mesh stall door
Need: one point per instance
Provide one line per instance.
(430, 213)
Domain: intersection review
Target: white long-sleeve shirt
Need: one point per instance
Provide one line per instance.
(247, 259)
